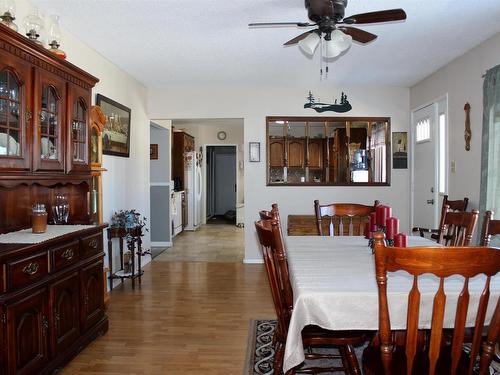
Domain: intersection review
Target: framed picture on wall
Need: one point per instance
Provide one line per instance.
(116, 134)
(153, 151)
(400, 150)
(254, 151)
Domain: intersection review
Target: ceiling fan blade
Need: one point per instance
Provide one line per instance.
(358, 35)
(374, 17)
(299, 38)
(298, 24)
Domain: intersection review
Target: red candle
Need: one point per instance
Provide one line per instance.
(400, 240)
(388, 212)
(373, 222)
(389, 228)
(381, 214)
(392, 227)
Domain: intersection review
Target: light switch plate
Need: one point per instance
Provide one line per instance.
(453, 167)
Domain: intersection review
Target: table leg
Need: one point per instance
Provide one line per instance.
(110, 262)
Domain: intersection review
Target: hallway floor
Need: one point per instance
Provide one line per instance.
(210, 243)
(187, 318)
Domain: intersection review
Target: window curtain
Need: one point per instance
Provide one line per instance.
(490, 152)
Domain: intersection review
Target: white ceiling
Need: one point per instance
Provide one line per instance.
(165, 43)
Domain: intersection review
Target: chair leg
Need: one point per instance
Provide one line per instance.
(345, 361)
(353, 361)
(279, 353)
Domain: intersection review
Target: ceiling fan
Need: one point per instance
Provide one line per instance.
(328, 16)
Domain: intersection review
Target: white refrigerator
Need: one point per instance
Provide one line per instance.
(194, 187)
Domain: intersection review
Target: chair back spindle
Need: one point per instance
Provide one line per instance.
(437, 356)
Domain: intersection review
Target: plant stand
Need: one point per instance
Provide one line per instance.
(134, 245)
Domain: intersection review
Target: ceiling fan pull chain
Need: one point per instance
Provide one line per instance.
(320, 58)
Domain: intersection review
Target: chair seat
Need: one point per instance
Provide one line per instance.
(372, 362)
(313, 335)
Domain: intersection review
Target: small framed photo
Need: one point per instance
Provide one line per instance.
(254, 151)
(153, 151)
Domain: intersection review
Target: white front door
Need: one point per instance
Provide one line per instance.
(425, 167)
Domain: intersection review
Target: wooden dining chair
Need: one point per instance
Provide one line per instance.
(490, 228)
(458, 228)
(459, 205)
(270, 215)
(343, 219)
(276, 264)
(437, 355)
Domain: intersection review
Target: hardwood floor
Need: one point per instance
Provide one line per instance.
(210, 243)
(186, 318)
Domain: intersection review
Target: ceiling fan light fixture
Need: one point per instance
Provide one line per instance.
(331, 50)
(309, 44)
(342, 40)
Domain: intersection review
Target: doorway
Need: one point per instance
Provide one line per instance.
(221, 184)
(429, 130)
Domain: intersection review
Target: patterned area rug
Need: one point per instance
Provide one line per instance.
(260, 352)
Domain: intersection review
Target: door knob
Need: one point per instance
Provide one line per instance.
(430, 201)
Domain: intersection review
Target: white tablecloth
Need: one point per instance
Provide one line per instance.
(53, 231)
(333, 280)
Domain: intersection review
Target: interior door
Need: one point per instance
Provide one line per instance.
(425, 174)
(225, 183)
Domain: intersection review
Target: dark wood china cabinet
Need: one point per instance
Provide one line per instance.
(51, 292)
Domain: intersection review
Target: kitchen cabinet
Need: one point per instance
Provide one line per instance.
(182, 144)
(277, 153)
(295, 153)
(315, 153)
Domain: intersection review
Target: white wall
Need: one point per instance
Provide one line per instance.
(126, 182)
(462, 80)
(205, 133)
(253, 104)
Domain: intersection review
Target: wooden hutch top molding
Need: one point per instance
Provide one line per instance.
(25, 49)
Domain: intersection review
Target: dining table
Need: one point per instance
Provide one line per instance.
(334, 287)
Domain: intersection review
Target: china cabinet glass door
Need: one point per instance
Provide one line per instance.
(78, 136)
(49, 131)
(14, 151)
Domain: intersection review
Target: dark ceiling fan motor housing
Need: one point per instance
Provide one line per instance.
(318, 9)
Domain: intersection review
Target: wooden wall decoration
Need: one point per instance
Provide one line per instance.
(153, 151)
(468, 132)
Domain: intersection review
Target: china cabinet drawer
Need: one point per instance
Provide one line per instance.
(26, 271)
(64, 256)
(92, 245)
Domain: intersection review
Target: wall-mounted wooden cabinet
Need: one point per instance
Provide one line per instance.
(276, 153)
(315, 153)
(296, 152)
(328, 151)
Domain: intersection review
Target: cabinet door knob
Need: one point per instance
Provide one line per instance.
(45, 325)
(68, 254)
(31, 269)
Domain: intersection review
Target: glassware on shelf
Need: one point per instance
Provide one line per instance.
(60, 209)
(8, 7)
